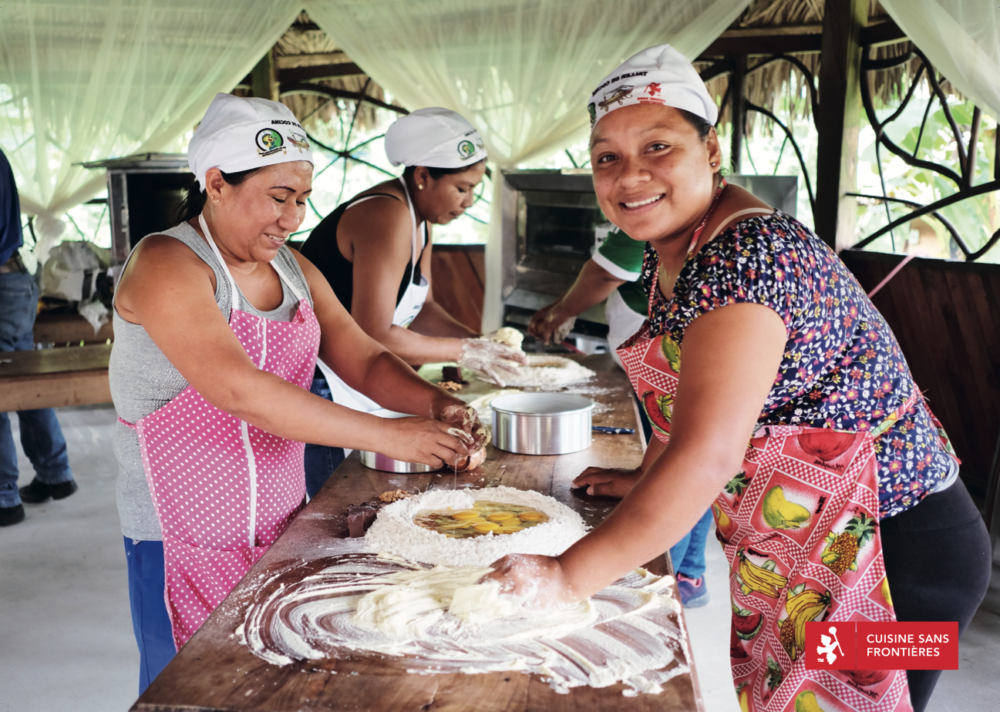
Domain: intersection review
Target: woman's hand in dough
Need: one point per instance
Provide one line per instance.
(463, 417)
(538, 580)
(490, 359)
(608, 481)
(429, 442)
(550, 324)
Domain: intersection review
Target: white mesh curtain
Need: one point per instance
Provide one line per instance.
(83, 81)
(961, 38)
(520, 70)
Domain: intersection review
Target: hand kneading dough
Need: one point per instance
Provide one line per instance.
(415, 600)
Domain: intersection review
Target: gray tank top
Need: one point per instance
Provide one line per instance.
(143, 380)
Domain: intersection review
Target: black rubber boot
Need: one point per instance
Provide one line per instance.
(37, 492)
(11, 515)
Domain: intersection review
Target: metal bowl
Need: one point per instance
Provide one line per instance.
(542, 423)
(378, 461)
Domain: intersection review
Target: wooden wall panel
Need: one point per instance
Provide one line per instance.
(458, 278)
(946, 317)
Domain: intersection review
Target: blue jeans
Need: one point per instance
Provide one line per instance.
(150, 620)
(320, 460)
(41, 436)
(688, 555)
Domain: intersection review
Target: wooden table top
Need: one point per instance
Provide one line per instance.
(43, 362)
(216, 672)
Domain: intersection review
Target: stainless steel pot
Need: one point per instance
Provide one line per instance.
(378, 461)
(542, 423)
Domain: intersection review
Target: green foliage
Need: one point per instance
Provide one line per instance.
(975, 219)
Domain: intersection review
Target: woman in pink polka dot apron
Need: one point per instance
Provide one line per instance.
(249, 483)
(780, 348)
(218, 327)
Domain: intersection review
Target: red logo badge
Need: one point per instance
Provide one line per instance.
(840, 645)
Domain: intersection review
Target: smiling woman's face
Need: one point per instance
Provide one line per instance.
(260, 213)
(652, 171)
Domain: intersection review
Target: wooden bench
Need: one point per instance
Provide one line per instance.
(53, 378)
(62, 329)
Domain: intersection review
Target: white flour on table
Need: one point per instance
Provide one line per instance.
(627, 633)
(438, 619)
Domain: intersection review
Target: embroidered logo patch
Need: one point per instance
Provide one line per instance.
(269, 141)
(466, 149)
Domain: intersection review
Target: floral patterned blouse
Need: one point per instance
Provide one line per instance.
(842, 366)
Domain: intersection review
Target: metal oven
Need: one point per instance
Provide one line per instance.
(550, 223)
(144, 194)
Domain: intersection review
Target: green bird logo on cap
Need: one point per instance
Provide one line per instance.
(466, 149)
(269, 141)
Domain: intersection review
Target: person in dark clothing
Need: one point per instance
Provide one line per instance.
(41, 436)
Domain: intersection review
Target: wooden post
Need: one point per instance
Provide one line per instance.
(839, 121)
(737, 103)
(264, 78)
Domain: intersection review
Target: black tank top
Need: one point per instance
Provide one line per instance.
(321, 249)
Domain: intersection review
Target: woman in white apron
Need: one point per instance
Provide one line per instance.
(375, 251)
(218, 326)
(778, 395)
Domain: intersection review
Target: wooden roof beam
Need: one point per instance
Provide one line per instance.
(297, 75)
(794, 39)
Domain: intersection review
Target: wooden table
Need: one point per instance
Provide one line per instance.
(62, 329)
(53, 378)
(215, 672)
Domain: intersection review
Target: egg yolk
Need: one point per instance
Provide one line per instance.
(500, 516)
(531, 516)
(486, 527)
(466, 514)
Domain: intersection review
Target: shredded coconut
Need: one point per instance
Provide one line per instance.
(394, 531)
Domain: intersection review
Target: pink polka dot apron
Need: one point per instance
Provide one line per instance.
(799, 526)
(223, 489)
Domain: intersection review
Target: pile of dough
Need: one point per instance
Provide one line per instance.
(508, 337)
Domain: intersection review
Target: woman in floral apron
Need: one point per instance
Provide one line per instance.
(218, 327)
(778, 391)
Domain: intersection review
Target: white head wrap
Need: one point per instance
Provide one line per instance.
(658, 75)
(433, 137)
(239, 134)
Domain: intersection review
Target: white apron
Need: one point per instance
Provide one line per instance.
(623, 321)
(406, 311)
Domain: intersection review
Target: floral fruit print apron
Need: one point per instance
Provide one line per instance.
(223, 489)
(799, 527)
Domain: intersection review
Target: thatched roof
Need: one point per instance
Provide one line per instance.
(305, 45)
(766, 86)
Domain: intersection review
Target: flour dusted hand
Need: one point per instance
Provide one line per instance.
(490, 359)
(537, 580)
(550, 325)
(428, 442)
(465, 418)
